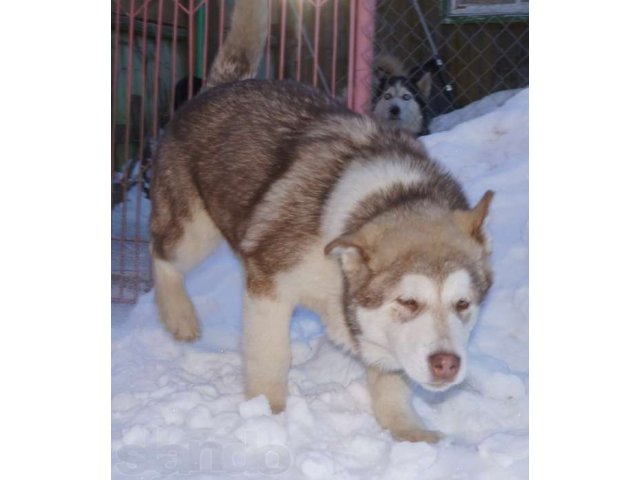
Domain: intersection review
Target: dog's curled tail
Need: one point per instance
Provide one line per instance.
(241, 52)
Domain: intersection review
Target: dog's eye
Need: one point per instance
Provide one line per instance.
(406, 96)
(408, 303)
(387, 96)
(462, 305)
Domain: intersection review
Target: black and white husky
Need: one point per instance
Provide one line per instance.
(325, 208)
(399, 98)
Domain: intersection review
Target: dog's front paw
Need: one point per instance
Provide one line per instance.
(277, 405)
(178, 316)
(185, 329)
(187, 333)
(415, 435)
(276, 393)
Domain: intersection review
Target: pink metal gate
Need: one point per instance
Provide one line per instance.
(161, 50)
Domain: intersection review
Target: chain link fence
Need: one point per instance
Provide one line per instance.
(481, 46)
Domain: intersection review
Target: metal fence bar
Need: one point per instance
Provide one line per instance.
(221, 23)
(363, 53)
(299, 44)
(334, 46)
(267, 56)
(283, 37)
(114, 87)
(317, 73)
(141, 153)
(156, 70)
(316, 42)
(352, 43)
(174, 49)
(114, 104)
(205, 66)
(190, 49)
(127, 137)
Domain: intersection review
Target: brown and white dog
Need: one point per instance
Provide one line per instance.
(327, 209)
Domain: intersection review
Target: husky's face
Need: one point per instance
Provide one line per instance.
(413, 291)
(422, 326)
(400, 105)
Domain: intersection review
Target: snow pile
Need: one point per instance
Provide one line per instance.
(473, 110)
(178, 410)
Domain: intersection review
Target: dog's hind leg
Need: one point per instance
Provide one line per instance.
(267, 352)
(199, 237)
(390, 399)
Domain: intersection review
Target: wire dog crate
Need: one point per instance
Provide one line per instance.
(161, 50)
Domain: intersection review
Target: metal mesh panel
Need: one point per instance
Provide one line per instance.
(482, 51)
(161, 50)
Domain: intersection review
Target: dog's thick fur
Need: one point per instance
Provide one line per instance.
(325, 208)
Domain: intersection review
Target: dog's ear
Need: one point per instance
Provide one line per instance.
(384, 67)
(350, 250)
(424, 85)
(353, 252)
(379, 80)
(471, 221)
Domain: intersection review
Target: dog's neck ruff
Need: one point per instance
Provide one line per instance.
(362, 180)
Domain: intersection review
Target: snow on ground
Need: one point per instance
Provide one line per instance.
(178, 410)
(473, 110)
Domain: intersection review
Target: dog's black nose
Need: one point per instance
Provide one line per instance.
(394, 111)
